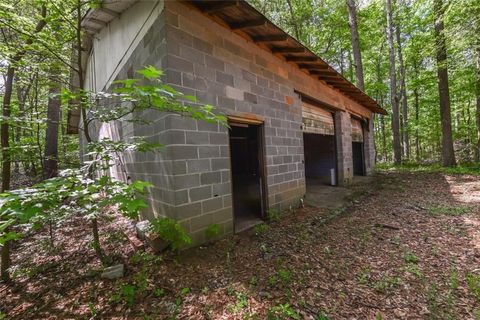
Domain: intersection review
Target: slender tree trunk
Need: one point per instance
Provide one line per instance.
(293, 19)
(357, 56)
(50, 164)
(448, 154)
(477, 153)
(22, 93)
(403, 93)
(397, 149)
(417, 134)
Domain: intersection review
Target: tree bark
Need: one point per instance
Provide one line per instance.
(397, 149)
(50, 164)
(477, 153)
(448, 154)
(357, 55)
(403, 93)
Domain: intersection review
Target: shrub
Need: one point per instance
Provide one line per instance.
(212, 231)
(170, 231)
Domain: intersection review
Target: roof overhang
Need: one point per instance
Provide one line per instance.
(242, 18)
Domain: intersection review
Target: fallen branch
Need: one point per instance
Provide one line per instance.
(386, 226)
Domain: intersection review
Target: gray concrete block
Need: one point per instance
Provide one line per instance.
(220, 163)
(219, 138)
(188, 210)
(198, 165)
(186, 181)
(208, 152)
(214, 63)
(210, 178)
(195, 137)
(250, 97)
(200, 193)
(224, 78)
(213, 204)
(178, 152)
(180, 64)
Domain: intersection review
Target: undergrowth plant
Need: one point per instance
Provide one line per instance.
(170, 231)
(90, 191)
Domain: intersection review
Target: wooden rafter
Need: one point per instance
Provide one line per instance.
(287, 49)
(302, 59)
(219, 6)
(246, 24)
(270, 38)
(313, 66)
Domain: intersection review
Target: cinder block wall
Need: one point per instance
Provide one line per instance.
(206, 61)
(343, 136)
(191, 175)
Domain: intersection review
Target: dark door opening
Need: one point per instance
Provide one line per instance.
(246, 154)
(358, 161)
(320, 158)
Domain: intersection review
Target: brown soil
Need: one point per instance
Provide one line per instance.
(402, 249)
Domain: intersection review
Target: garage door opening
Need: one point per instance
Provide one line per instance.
(357, 148)
(319, 158)
(319, 146)
(246, 154)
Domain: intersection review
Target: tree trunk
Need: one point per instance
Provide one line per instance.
(4, 129)
(448, 154)
(293, 20)
(477, 153)
(397, 149)
(417, 134)
(50, 164)
(403, 95)
(357, 56)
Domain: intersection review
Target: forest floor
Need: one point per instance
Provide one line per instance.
(405, 246)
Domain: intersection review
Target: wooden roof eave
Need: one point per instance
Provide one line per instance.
(282, 44)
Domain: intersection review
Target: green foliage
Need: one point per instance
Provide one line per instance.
(440, 210)
(170, 231)
(386, 283)
(410, 257)
(261, 228)
(212, 231)
(285, 275)
(473, 281)
(274, 214)
(125, 293)
(282, 311)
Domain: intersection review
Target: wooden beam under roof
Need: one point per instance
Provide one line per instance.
(219, 6)
(287, 49)
(270, 38)
(314, 66)
(302, 59)
(247, 24)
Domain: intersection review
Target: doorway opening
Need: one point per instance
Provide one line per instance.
(320, 158)
(358, 156)
(247, 167)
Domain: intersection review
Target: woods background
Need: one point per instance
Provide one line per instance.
(399, 52)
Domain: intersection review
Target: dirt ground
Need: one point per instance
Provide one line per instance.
(405, 246)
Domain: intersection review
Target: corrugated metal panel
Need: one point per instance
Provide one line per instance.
(317, 120)
(357, 131)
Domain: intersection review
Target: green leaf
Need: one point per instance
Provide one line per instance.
(150, 72)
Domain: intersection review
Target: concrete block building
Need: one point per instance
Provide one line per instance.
(293, 119)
